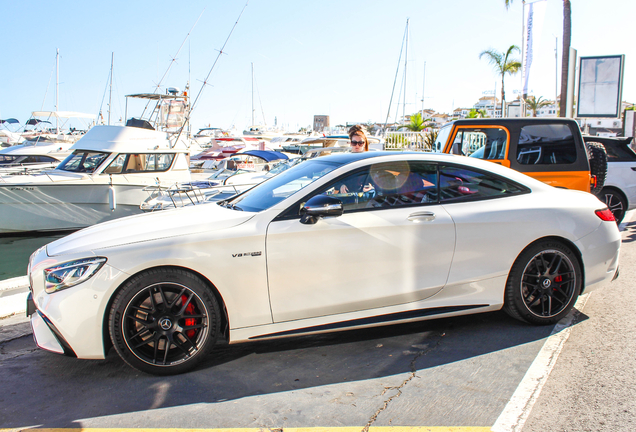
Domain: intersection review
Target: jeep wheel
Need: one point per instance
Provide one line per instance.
(598, 164)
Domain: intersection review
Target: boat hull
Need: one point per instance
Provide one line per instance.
(55, 207)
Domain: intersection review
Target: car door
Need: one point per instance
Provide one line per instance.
(393, 245)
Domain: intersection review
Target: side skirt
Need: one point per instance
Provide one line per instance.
(380, 319)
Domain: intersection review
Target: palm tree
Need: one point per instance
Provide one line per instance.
(474, 113)
(567, 35)
(534, 104)
(503, 65)
(416, 124)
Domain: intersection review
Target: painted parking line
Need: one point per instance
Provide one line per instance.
(308, 429)
(518, 409)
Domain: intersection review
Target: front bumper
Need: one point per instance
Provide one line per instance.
(45, 334)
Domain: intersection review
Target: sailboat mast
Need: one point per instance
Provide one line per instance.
(110, 94)
(406, 52)
(252, 94)
(57, 88)
(423, 85)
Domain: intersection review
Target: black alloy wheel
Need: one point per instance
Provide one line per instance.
(615, 201)
(544, 283)
(164, 321)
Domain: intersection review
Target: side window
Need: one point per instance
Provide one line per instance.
(482, 143)
(150, 162)
(459, 184)
(116, 165)
(387, 185)
(546, 144)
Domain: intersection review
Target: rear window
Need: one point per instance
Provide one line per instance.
(546, 144)
(619, 152)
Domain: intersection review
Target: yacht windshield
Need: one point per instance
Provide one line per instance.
(279, 187)
(83, 161)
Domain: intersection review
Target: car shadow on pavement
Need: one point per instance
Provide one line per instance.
(61, 390)
(629, 232)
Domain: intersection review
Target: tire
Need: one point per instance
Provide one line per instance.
(164, 321)
(543, 284)
(616, 202)
(598, 164)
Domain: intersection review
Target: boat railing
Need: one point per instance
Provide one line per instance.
(25, 169)
(186, 194)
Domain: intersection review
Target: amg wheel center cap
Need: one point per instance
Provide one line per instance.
(165, 323)
(546, 283)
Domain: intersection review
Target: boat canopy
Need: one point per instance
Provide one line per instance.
(10, 121)
(267, 155)
(33, 122)
(156, 96)
(63, 114)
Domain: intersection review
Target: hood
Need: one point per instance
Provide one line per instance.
(149, 226)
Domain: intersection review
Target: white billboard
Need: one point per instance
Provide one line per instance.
(600, 86)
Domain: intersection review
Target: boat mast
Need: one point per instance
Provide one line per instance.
(57, 88)
(423, 85)
(406, 52)
(252, 94)
(110, 94)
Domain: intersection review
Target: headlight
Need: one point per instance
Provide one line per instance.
(71, 273)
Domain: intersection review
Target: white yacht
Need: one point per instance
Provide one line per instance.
(102, 179)
(32, 155)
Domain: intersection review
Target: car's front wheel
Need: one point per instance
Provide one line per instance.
(544, 283)
(164, 321)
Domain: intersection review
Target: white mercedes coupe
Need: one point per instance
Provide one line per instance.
(339, 242)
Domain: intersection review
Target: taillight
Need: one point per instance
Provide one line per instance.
(593, 181)
(605, 214)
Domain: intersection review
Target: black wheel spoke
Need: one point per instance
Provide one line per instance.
(185, 304)
(145, 342)
(176, 298)
(166, 351)
(139, 320)
(163, 297)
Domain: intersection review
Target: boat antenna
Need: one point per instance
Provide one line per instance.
(174, 59)
(205, 82)
(396, 74)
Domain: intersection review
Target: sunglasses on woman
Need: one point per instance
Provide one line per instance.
(357, 143)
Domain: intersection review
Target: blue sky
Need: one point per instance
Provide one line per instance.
(337, 58)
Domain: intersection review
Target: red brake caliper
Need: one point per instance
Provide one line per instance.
(558, 279)
(189, 321)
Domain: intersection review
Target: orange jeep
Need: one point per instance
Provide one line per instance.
(549, 149)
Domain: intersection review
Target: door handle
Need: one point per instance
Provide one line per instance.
(421, 216)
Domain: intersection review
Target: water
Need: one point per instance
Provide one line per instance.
(15, 253)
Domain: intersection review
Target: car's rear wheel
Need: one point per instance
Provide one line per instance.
(615, 201)
(597, 156)
(164, 321)
(544, 283)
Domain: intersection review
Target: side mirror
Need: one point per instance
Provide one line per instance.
(320, 206)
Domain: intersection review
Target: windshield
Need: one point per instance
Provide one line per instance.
(442, 136)
(83, 161)
(279, 187)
